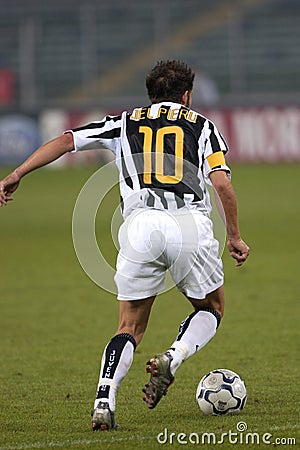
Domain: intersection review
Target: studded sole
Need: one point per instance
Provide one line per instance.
(160, 380)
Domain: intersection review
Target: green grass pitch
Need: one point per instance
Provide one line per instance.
(54, 323)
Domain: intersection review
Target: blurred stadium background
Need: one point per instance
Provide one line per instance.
(66, 61)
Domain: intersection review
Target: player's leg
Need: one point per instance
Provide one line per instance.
(194, 333)
(198, 328)
(196, 268)
(117, 358)
(203, 286)
(134, 317)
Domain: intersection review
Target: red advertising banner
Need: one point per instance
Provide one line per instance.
(260, 134)
(7, 87)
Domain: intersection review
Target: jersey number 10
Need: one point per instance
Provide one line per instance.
(161, 133)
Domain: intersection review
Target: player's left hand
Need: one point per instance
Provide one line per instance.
(7, 186)
(239, 250)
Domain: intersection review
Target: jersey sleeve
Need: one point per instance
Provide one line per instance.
(215, 149)
(106, 133)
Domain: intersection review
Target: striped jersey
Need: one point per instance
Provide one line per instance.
(164, 153)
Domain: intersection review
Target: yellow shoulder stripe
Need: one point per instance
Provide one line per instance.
(216, 159)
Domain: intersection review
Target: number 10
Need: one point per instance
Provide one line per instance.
(159, 154)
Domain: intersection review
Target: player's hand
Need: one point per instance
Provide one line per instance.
(7, 186)
(239, 250)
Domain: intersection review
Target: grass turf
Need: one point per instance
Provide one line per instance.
(55, 322)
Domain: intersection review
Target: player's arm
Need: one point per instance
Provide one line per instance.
(44, 155)
(239, 250)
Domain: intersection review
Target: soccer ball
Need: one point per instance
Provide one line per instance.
(221, 392)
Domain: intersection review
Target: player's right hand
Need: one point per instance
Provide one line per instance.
(7, 186)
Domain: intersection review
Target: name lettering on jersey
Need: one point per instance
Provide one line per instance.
(172, 114)
(192, 116)
(161, 111)
(141, 113)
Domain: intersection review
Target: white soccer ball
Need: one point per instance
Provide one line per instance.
(221, 392)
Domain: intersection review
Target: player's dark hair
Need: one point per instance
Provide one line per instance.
(169, 80)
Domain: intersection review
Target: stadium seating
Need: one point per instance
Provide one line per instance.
(61, 48)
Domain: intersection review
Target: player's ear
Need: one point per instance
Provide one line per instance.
(186, 98)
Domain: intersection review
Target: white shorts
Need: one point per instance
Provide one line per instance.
(182, 241)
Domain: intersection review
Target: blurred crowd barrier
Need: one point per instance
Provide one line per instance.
(270, 134)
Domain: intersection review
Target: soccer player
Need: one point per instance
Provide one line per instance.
(166, 154)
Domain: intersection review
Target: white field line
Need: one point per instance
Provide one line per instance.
(70, 443)
(285, 428)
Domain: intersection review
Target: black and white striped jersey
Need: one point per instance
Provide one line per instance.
(164, 153)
